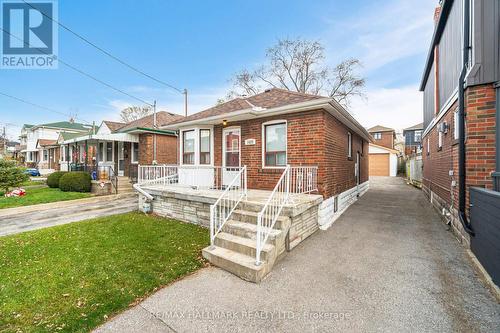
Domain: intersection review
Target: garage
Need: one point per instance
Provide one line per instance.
(379, 164)
(383, 161)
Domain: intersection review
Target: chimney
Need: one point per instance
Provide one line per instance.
(437, 13)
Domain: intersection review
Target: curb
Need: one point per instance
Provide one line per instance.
(485, 277)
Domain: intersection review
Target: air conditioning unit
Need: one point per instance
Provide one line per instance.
(443, 127)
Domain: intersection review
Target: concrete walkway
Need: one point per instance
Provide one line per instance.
(21, 219)
(388, 264)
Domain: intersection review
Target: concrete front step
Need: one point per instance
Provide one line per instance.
(236, 263)
(248, 230)
(251, 217)
(244, 246)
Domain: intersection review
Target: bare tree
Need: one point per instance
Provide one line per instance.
(135, 112)
(297, 65)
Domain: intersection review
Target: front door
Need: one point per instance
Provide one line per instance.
(231, 139)
(121, 159)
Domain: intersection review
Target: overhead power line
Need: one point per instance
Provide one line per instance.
(81, 71)
(41, 107)
(133, 68)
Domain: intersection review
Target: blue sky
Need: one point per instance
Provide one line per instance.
(199, 44)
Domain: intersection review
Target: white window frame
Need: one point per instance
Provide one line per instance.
(440, 139)
(349, 145)
(428, 145)
(44, 159)
(263, 140)
(196, 130)
(112, 152)
(210, 133)
(134, 159)
(456, 132)
(377, 136)
(415, 136)
(62, 153)
(224, 147)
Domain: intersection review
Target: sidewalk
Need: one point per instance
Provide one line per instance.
(20, 219)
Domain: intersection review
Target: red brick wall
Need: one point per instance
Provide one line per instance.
(387, 139)
(480, 147)
(313, 138)
(166, 149)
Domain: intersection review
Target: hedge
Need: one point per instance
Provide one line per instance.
(53, 178)
(76, 181)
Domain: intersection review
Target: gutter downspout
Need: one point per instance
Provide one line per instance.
(496, 174)
(461, 115)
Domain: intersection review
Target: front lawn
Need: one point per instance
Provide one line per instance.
(40, 195)
(71, 278)
(32, 182)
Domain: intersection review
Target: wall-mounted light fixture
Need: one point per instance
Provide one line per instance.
(224, 122)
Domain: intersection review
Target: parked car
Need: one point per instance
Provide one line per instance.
(33, 172)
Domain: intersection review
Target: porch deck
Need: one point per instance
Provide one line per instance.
(257, 198)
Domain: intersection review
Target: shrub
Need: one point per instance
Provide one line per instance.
(11, 175)
(53, 178)
(76, 181)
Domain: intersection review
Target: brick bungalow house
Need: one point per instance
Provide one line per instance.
(275, 166)
(461, 158)
(116, 148)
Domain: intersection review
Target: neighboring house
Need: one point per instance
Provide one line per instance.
(37, 154)
(461, 155)
(413, 139)
(383, 136)
(271, 153)
(116, 149)
(383, 156)
(8, 148)
(383, 161)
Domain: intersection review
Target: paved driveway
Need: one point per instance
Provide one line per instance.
(388, 264)
(21, 219)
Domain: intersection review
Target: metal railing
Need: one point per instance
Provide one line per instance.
(269, 214)
(303, 179)
(200, 177)
(157, 174)
(221, 210)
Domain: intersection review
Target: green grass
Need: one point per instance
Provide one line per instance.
(40, 195)
(34, 182)
(71, 278)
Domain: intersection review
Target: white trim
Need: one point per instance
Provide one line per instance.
(349, 144)
(263, 140)
(229, 129)
(442, 112)
(134, 159)
(196, 130)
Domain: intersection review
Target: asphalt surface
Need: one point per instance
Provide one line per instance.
(388, 264)
(21, 219)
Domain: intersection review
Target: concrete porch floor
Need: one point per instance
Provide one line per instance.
(257, 197)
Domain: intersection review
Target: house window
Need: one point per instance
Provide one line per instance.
(417, 136)
(188, 147)
(440, 140)
(45, 155)
(62, 153)
(428, 146)
(109, 151)
(349, 144)
(135, 152)
(377, 136)
(205, 146)
(275, 144)
(100, 151)
(456, 133)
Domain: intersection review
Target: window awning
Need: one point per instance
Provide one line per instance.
(121, 137)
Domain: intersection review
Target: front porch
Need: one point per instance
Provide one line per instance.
(250, 228)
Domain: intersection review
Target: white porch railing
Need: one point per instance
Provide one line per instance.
(268, 216)
(303, 179)
(222, 209)
(156, 174)
(202, 177)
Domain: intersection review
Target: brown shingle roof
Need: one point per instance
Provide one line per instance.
(415, 127)
(113, 125)
(269, 99)
(379, 128)
(162, 118)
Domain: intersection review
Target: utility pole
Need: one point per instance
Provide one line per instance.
(185, 92)
(155, 126)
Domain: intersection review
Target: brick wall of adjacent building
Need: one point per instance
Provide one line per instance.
(166, 149)
(314, 138)
(387, 139)
(480, 151)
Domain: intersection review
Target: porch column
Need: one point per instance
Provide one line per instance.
(86, 154)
